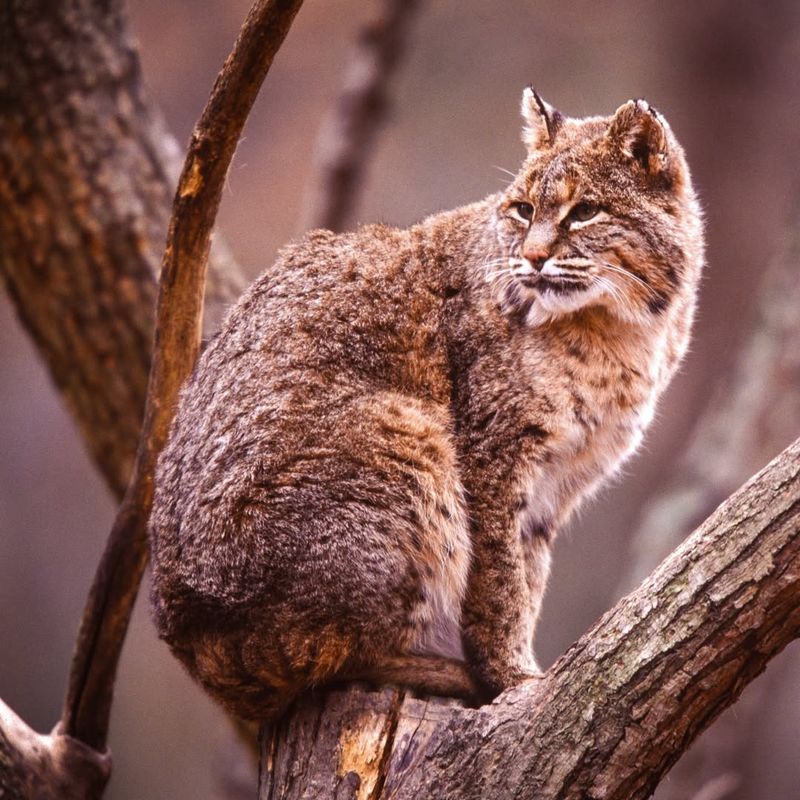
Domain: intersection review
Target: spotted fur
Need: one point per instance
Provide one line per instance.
(392, 425)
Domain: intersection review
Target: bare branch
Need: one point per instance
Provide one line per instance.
(616, 711)
(54, 767)
(177, 339)
(349, 132)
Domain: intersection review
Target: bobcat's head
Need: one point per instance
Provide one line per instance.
(602, 212)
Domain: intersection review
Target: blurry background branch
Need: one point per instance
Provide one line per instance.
(350, 129)
(753, 412)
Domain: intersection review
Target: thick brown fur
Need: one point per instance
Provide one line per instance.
(391, 426)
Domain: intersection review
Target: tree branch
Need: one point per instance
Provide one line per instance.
(177, 341)
(177, 338)
(349, 131)
(44, 767)
(615, 712)
(87, 176)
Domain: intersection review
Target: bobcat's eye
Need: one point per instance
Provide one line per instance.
(582, 212)
(521, 211)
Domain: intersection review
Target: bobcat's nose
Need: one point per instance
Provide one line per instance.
(535, 256)
(538, 243)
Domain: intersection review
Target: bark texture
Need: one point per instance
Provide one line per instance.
(752, 414)
(612, 716)
(87, 175)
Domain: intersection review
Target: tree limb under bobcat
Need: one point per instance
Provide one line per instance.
(612, 715)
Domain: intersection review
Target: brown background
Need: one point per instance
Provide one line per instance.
(724, 73)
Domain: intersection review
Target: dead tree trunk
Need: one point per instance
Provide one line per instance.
(612, 715)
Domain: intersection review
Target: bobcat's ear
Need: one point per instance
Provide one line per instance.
(542, 121)
(642, 134)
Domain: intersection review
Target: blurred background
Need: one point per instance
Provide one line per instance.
(723, 72)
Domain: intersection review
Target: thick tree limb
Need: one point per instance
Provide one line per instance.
(613, 714)
(87, 176)
(349, 131)
(177, 339)
(753, 412)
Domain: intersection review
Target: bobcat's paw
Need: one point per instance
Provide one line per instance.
(524, 687)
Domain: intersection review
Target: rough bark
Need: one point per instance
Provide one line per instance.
(87, 175)
(753, 413)
(612, 716)
(350, 129)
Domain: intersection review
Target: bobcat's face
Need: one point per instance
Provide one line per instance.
(601, 213)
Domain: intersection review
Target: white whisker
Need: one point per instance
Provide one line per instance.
(626, 274)
(497, 273)
(610, 288)
(507, 171)
(493, 262)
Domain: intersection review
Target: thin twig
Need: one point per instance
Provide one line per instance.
(349, 132)
(177, 337)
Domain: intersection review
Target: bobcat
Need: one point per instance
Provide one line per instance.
(390, 428)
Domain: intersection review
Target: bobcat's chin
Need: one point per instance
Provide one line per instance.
(552, 299)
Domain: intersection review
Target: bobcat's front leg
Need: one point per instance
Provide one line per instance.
(510, 565)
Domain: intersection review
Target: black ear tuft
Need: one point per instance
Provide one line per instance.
(642, 134)
(542, 121)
